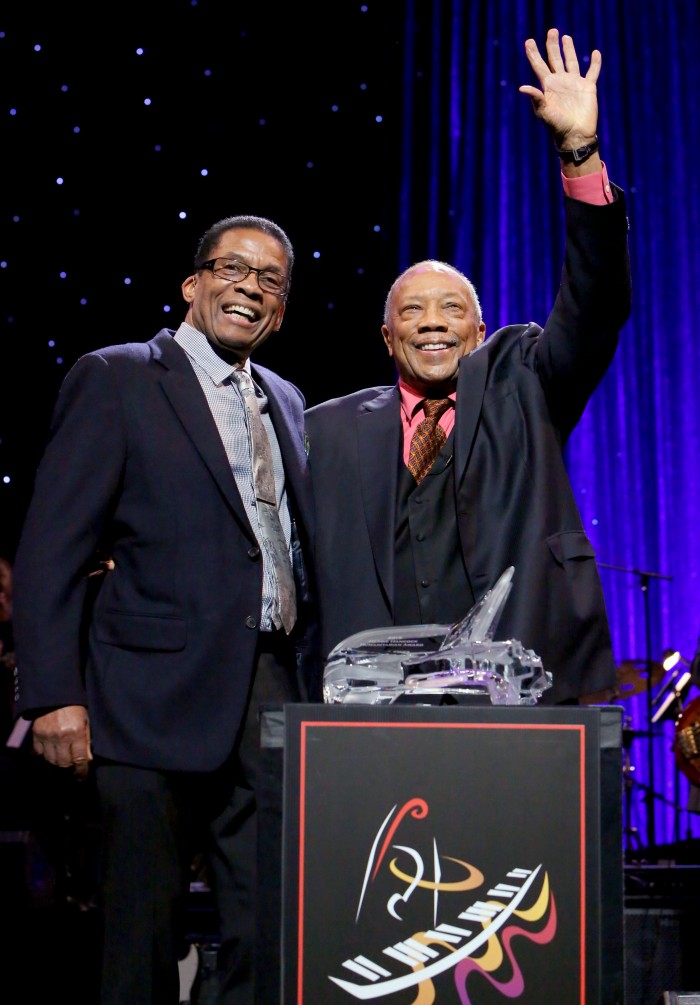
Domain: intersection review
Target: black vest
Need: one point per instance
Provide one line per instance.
(430, 581)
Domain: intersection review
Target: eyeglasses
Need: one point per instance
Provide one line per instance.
(234, 271)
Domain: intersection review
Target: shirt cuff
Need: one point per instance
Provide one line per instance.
(592, 188)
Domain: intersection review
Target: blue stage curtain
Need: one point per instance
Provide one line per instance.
(480, 187)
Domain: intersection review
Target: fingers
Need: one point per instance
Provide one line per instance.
(561, 57)
(533, 92)
(62, 737)
(539, 67)
(571, 59)
(594, 69)
(535, 59)
(554, 51)
(81, 766)
(63, 754)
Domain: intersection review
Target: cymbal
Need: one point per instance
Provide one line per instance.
(632, 677)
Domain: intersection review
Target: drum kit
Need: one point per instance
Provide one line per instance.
(639, 677)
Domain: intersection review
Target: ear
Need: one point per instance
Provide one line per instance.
(481, 334)
(188, 288)
(386, 335)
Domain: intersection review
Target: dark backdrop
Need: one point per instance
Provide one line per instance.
(375, 135)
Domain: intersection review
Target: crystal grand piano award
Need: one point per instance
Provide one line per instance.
(425, 663)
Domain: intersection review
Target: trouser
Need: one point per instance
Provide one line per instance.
(152, 824)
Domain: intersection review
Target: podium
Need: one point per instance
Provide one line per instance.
(452, 854)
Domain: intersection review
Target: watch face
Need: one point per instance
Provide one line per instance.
(580, 154)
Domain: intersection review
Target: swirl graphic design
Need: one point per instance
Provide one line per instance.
(473, 941)
(499, 950)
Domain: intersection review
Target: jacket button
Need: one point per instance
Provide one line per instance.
(254, 552)
(424, 583)
(420, 536)
(251, 622)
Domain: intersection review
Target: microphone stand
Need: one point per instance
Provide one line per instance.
(644, 578)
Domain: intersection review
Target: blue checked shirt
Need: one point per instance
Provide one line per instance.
(227, 408)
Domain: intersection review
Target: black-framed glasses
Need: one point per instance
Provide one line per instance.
(234, 271)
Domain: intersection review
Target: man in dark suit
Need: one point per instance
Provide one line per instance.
(392, 550)
(153, 672)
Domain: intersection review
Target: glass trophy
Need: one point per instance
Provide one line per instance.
(427, 663)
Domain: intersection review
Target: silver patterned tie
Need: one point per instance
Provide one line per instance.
(266, 498)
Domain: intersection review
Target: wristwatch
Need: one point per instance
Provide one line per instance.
(580, 154)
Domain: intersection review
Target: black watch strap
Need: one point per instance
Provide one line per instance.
(580, 154)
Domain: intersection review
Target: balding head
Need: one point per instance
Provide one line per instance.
(432, 264)
(432, 318)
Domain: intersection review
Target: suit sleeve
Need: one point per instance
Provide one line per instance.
(593, 303)
(76, 482)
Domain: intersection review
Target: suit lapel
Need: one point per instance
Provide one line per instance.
(379, 442)
(184, 393)
(471, 384)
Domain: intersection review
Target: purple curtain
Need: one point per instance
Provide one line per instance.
(480, 187)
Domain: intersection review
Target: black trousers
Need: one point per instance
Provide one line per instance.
(153, 822)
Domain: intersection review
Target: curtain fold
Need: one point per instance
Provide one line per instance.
(480, 187)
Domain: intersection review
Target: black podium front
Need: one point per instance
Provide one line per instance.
(452, 854)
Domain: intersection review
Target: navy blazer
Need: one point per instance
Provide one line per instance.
(519, 396)
(161, 648)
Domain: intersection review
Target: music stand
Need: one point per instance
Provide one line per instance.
(650, 795)
(669, 705)
(669, 701)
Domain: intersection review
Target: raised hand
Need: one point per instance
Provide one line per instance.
(565, 101)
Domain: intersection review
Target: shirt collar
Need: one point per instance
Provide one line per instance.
(198, 347)
(411, 400)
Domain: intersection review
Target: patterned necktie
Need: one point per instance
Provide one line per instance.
(266, 499)
(428, 438)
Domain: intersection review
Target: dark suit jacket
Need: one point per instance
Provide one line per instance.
(519, 395)
(161, 648)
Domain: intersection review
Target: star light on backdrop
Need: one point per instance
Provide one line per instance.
(126, 141)
(376, 134)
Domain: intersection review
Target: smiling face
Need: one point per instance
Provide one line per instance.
(237, 317)
(432, 321)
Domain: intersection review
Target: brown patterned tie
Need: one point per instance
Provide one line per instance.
(266, 499)
(428, 438)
